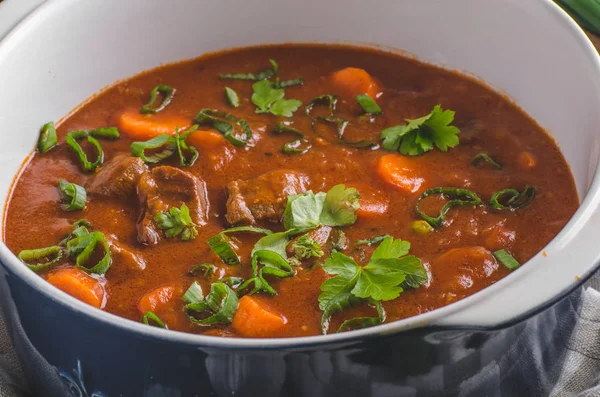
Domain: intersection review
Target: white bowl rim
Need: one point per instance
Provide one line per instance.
(425, 320)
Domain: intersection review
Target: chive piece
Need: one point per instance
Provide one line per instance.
(48, 138)
(91, 135)
(512, 198)
(220, 243)
(151, 319)
(364, 322)
(75, 193)
(208, 268)
(297, 146)
(372, 241)
(193, 294)
(232, 97)
(506, 259)
(327, 99)
(177, 222)
(138, 148)
(233, 282)
(264, 75)
(341, 125)
(167, 91)
(274, 265)
(51, 255)
(421, 227)
(457, 198)
(290, 83)
(368, 104)
(485, 157)
(180, 142)
(221, 301)
(79, 229)
(83, 247)
(223, 122)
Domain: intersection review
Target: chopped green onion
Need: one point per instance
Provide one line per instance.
(220, 243)
(221, 301)
(193, 294)
(233, 282)
(48, 138)
(364, 322)
(273, 264)
(91, 135)
(300, 145)
(421, 227)
(486, 157)
(372, 241)
(83, 247)
(177, 222)
(506, 259)
(223, 122)
(167, 91)
(368, 104)
(512, 198)
(208, 269)
(341, 125)
(306, 248)
(264, 75)
(170, 146)
(327, 99)
(182, 145)
(75, 193)
(151, 319)
(50, 255)
(458, 198)
(232, 97)
(79, 229)
(290, 83)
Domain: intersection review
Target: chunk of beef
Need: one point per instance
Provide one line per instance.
(165, 187)
(118, 177)
(264, 197)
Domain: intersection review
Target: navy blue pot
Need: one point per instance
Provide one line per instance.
(64, 353)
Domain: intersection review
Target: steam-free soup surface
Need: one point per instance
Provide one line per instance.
(135, 205)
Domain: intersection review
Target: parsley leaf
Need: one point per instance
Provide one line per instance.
(177, 222)
(337, 207)
(306, 248)
(271, 100)
(389, 271)
(421, 135)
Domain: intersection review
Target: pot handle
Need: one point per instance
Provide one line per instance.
(14, 11)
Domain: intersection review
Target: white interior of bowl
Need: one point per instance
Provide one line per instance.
(68, 50)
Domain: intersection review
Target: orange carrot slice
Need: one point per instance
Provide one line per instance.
(78, 284)
(254, 319)
(400, 172)
(142, 127)
(355, 81)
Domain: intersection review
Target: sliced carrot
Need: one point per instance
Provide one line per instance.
(372, 201)
(400, 172)
(526, 161)
(78, 284)
(255, 320)
(157, 300)
(146, 126)
(206, 140)
(355, 81)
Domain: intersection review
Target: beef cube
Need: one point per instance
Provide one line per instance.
(264, 197)
(118, 177)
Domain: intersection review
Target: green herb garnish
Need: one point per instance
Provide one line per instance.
(91, 135)
(151, 319)
(177, 222)
(75, 194)
(389, 272)
(232, 97)
(504, 257)
(486, 158)
(340, 126)
(48, 138)
(167, 91)
(326, 99)
(220, 244)
(306, 248)
(457, 198)
(364, 322)
(42, 258)
(512, 199)
(372, 241)
(224, 123)
(421, 135)
(83, 247)
(221, 302)
(264, 75)
(368, 104)
(208, 269)
(300, 145)
(271, 100)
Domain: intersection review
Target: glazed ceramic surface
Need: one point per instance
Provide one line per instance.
(67, 50)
